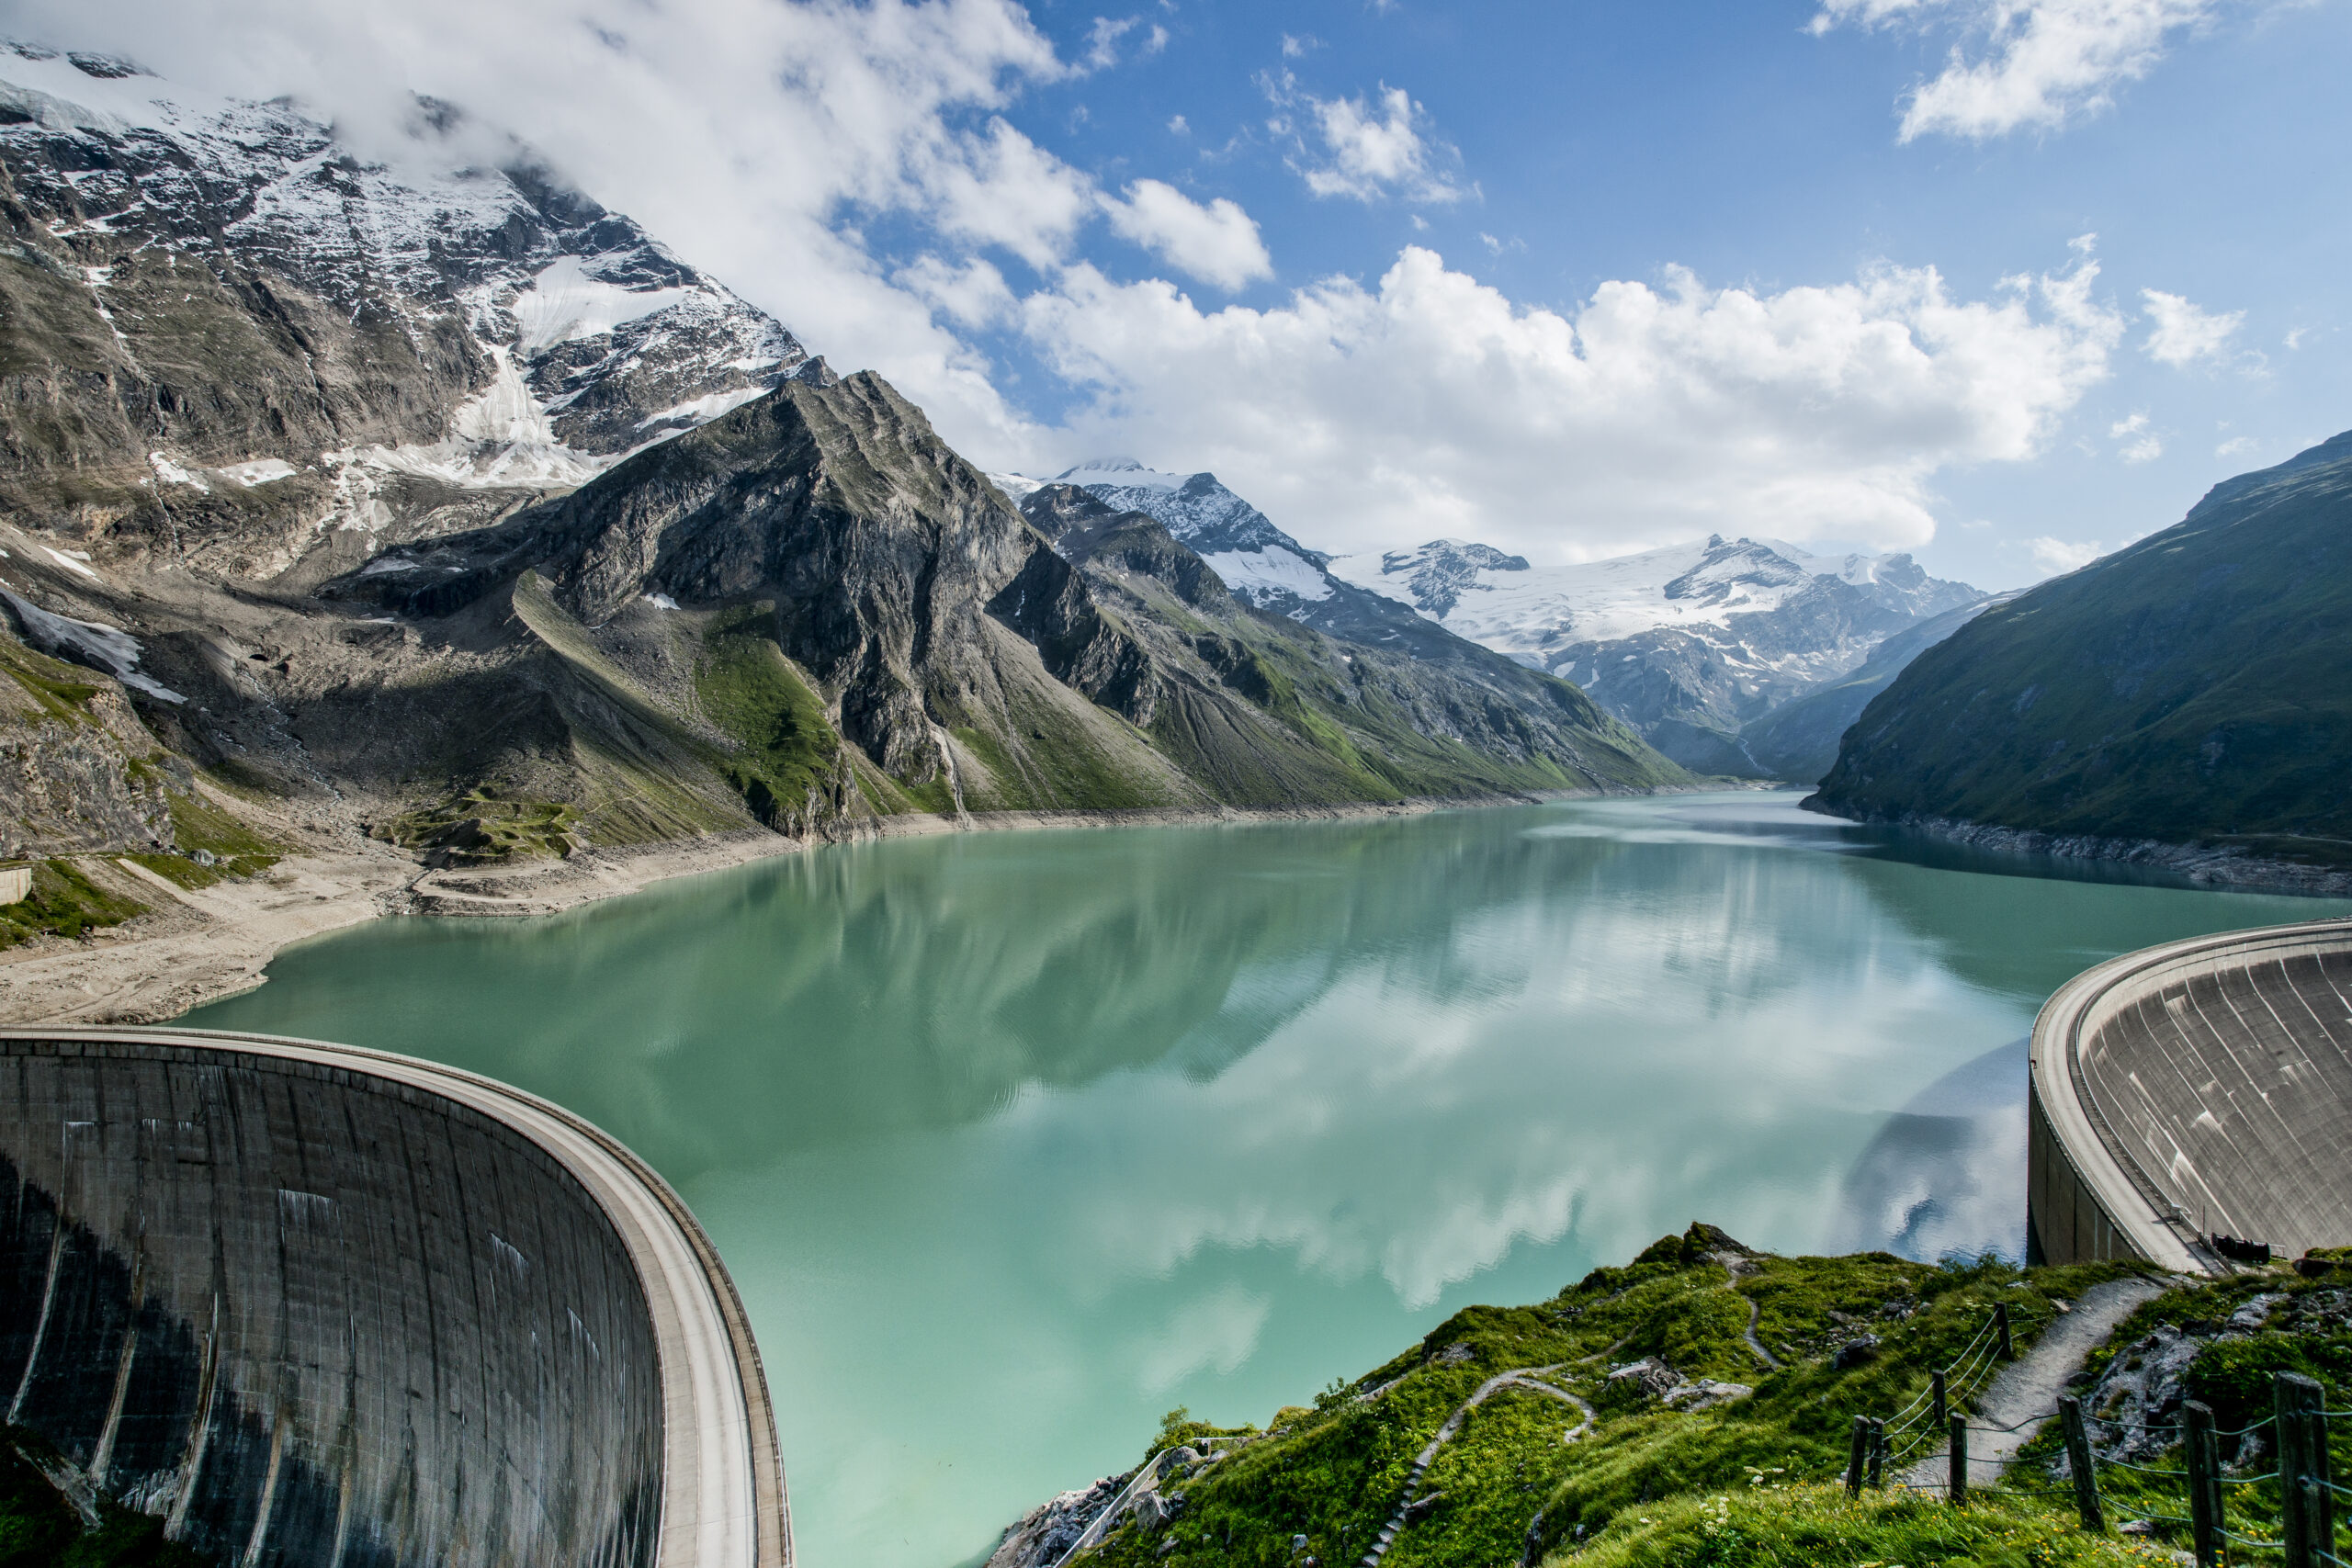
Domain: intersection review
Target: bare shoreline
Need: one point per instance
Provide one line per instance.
(201, 946)
(2217, 868)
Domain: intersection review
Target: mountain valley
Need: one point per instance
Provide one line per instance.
(452, 510)
(1689, 643)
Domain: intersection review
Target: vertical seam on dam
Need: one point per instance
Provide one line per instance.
(319, 1304)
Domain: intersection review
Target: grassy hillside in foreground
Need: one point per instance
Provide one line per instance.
(1750, 1481)
(2194, 689)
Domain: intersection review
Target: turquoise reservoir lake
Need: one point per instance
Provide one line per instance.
(1013, 1141)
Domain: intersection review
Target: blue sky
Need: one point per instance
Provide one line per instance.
(1571, 278)
(1607, 140)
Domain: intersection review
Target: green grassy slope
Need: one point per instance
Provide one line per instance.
(1755, 1480)
(2194, 689)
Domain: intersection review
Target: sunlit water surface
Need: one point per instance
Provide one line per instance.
(1014, 1141)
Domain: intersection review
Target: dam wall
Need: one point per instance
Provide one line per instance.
(2197, 1088)
(320, 1306)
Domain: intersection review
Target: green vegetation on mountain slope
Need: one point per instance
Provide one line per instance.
(1752, 1480)
(1327, 718)
(2193, 689)
(1798, 740)
(810, 611)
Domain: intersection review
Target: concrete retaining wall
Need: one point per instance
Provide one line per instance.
(2198, 1086)
(327, 1307)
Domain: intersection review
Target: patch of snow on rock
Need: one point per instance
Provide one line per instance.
(260, 471)
(703, 410)
(91, 643)
(1277, 570)
(566, 302)
(172, 473)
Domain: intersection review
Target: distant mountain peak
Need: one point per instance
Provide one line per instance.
(1125, 471)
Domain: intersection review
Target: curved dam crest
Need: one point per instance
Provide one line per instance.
(2198, 1086)
(319, 1306)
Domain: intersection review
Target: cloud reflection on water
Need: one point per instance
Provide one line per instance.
(1011, 1141)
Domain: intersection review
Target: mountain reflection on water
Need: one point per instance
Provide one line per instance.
(1013, 1141)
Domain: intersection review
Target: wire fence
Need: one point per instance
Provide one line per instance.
(2299, 1494)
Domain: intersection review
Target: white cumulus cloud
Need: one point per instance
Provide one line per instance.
(2025, 63)
(1103, 40)
(1217, 243)
(1364, 148)
(972, 295)
(2181, 333)
(1431, 405)
(768, 142)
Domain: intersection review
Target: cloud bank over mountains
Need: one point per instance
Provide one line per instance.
(855, 170)
(1428, 404)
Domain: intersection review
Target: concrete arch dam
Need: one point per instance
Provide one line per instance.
(322, 1306)
(2196, 1088)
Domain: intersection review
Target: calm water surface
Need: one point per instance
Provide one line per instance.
(1014, 1141)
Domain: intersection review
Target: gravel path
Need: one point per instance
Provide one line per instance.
(2026, 1392)
(1755, 1346)
(1518, 1377)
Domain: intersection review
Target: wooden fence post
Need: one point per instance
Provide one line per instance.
(1939, 1408)
(2078, 1460)
(2204, 1454)
(1855, 1458)
(2307, 1509)
(2001, 1323)
(1956, 1490)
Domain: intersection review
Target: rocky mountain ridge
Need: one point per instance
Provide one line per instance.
(448, 506)
(225, 327)
(1691, 643)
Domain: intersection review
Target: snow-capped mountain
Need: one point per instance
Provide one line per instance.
(1687, 643)
(1256, 560)
(465, 324)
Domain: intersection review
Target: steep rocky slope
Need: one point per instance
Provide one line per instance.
(450, 508)
(2191, 690)
(225, 333)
